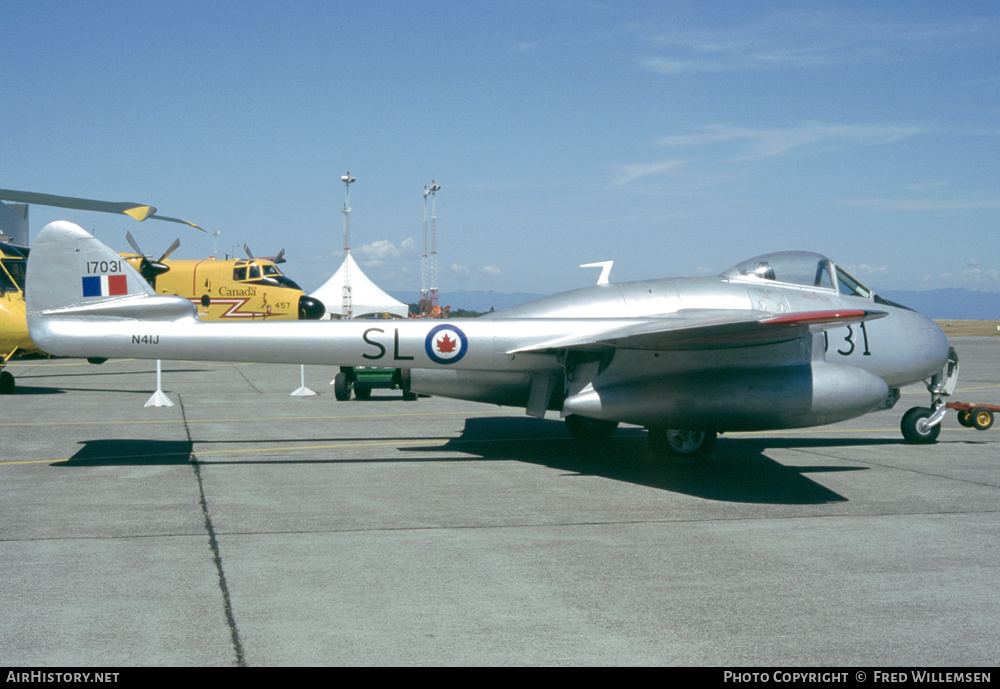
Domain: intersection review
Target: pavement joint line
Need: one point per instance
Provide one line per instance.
(527, 525)
(213, 544)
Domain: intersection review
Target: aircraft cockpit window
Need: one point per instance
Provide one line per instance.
(823, 277)
(254, 272)
(239, 273)
(851, 287)
(6, 284)
(764, 271)
(790, 267)
(270, 270)
(12, 275)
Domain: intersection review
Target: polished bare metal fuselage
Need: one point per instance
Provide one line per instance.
(702, 353)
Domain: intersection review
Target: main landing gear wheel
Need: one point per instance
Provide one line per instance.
(916, 429)
(6, 383)
(670, 442)
(341, 390)
(583, 428)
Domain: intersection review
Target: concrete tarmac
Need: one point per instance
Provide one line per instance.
(245, 526)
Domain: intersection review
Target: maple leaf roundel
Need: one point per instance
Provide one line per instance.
(446, 344)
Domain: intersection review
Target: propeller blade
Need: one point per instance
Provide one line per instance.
(280, 258)
(134, 244)
(247, 249)
(150, 269)
(170, 249)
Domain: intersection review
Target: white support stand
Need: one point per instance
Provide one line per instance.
(303, 391)
(159, 399)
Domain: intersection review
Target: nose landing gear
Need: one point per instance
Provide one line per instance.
(922, 425)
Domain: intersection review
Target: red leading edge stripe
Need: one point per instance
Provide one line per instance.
(816, 317)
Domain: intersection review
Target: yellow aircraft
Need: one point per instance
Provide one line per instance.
(230, 289)
(14, 339)
(250, 289)
(13, 322)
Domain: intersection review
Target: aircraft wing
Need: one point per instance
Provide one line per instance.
(707, 329)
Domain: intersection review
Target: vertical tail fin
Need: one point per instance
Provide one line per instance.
(70, 267)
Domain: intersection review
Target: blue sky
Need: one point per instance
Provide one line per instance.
(676, 138)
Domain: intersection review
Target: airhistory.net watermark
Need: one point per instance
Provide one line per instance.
(62, 677)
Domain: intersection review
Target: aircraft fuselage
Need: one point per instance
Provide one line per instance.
(769, 344)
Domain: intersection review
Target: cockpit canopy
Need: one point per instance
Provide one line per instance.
(802, 268)
(258, 272)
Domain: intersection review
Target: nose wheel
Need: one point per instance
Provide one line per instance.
(916, 426)
(922, 425)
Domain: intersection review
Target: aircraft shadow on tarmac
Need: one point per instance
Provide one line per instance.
(25, 388)
(738, 472)
(130, 452)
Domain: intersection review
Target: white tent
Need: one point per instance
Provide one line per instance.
(366, 296)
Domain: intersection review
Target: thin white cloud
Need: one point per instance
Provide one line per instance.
(866, 271)
(633, 171)
(525, 47)
(807, 39)
(381, 251)
(887, 205)
(766, 142)
(492, 271)
(971, 278)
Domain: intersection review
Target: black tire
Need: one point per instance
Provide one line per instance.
(669, 442)
(341, 390)
(362, 393)
(914, 431)
(965, 418)
(584, 428)
(7, 384)
(981, 418)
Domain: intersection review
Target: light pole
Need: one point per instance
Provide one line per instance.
(346, 305)
(433, 288)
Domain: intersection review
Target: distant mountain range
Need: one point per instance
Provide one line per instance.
(955, 303)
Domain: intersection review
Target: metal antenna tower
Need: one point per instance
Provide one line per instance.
(432, 293)
(346, 305)
(423, 306)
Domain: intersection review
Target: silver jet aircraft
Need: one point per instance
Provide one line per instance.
(786, 340)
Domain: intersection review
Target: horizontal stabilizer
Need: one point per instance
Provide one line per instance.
(137, 306)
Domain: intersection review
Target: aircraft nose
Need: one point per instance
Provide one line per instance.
(311, 308)
(930, 344)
